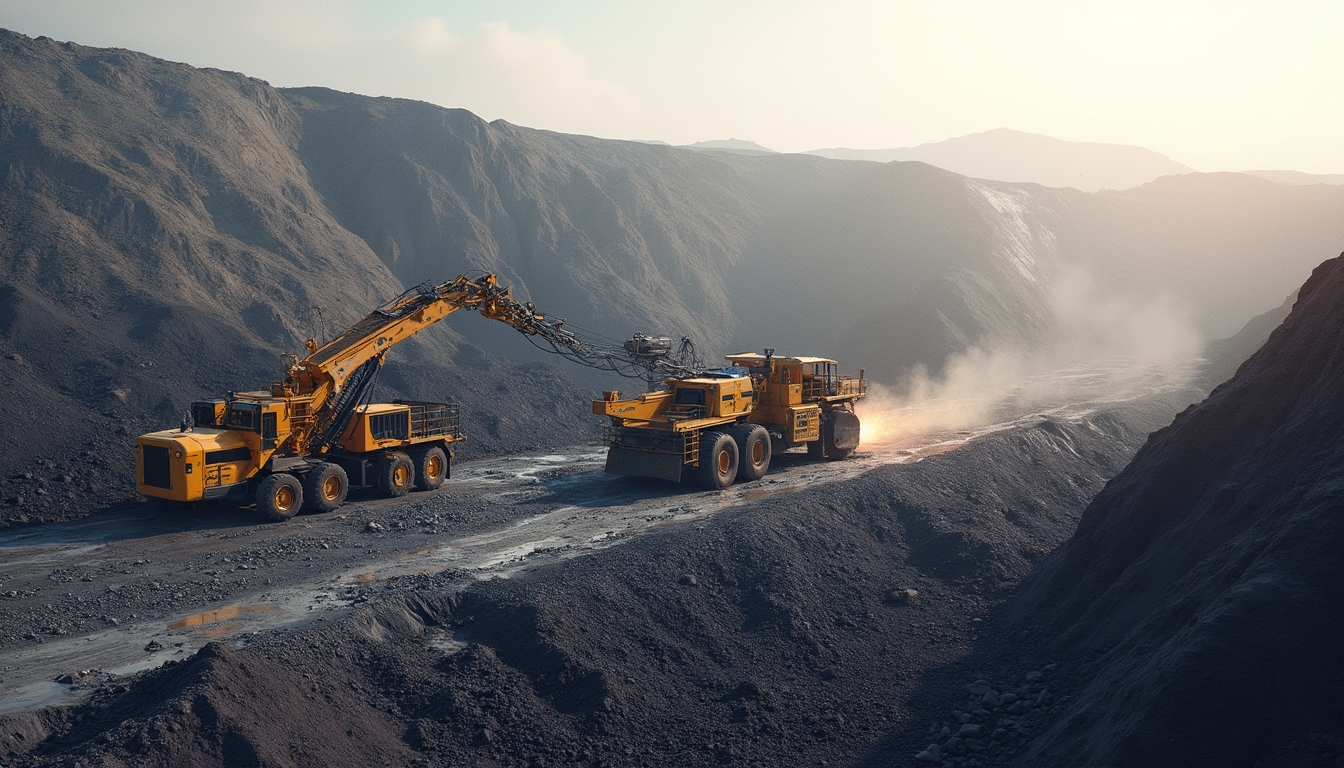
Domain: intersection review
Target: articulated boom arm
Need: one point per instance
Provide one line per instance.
(329, 366)
(402, 318)
(334, 376)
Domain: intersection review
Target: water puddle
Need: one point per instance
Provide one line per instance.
(221, 614)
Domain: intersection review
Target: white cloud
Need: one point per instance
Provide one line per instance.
(534, 78)
(431, 35)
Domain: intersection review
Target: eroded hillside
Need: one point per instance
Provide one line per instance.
(169, 233)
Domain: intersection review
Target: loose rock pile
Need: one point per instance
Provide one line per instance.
(999, 716)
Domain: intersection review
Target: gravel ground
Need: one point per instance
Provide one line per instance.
(813, 622)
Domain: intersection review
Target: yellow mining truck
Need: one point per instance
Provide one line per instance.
(304, 442)
(720, 427)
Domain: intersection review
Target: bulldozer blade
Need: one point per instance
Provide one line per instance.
(663, 466)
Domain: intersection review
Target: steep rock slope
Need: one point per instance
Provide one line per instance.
(166, 233)
(896, 265)
(610, 234)
(1224, 356)
(159, 242)
(1206, 578)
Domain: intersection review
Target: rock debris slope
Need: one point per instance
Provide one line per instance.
(1205, 582)
(790, 630)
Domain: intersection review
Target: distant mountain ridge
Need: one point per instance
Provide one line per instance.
(737, 146)
(1298, 177)
(1007, 155)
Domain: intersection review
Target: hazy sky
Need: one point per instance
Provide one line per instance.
(1226, 85)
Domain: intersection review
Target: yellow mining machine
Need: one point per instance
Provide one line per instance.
(717, 427)
(304, 442)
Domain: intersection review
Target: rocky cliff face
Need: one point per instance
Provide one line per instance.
(167, 233)
(161, 241)
(1204, 582)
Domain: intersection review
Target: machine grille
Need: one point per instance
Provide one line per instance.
(155, 463)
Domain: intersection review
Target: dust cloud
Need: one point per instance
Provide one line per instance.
(1106, 347)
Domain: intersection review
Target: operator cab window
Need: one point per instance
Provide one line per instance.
(690, 397)
(244, 416)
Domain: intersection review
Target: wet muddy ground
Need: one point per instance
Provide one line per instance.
(126, 590)
(790, 583)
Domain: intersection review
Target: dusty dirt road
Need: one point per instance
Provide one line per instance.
(128, 589)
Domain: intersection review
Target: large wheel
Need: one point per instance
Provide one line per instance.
(753, 451)
(718, 460)
(279, 497)
(396, 473)
(325, 487)
(431, 467)
(840, 433)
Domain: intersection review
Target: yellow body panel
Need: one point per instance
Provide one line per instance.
(689, 405)
(189, 463)
(798, 423)
(642, 408)
(362, 436)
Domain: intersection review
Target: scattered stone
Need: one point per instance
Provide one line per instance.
(903, 596)
(1034, 676)
(688, 580)
(932, 754)
(990, 699)
(153, 645)
(374, 527)
(970, 730)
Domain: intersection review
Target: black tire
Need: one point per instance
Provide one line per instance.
(816, 450)
(753, 451)
(431, 467)
(325, 488)
(279, 497)
(396, 474)
(718, 461)
(840, 433)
